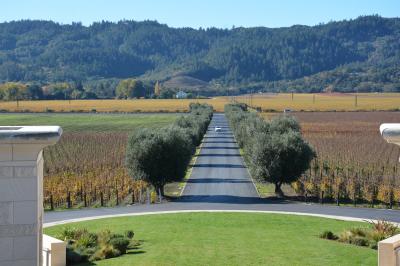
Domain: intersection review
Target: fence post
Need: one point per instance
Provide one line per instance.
(69, 203)
(116, 191)
(85, 200)
(51, 202)
(322, 197)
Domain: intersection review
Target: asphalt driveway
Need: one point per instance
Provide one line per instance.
(219, 174)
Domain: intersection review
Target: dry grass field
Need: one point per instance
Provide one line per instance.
(323, 102)
(134, 105)
(267, 102)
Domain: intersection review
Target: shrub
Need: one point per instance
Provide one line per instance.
(384, 228)
(104, 237)
(360, 241)
(105, 251)
(373, 244)
(365, 236)
(377, 236)
(86, 240)
(83, 246)
(328, 235)
(73, 257)
(120, 243)
(67, 233)
(351, 236)
(345, 237)
(129, 234)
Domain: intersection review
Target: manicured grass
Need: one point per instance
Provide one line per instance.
(231, 239)
(90, 122)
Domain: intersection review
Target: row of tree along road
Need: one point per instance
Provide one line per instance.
(160, 156)
(274, 150)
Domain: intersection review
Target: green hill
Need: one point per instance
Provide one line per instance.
(364, 53)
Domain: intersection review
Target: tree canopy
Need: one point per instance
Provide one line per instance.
(160, 156)
(275, 150)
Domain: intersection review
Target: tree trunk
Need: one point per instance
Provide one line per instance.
(160, 190)
(337, 200)
(117, 196)
(51, 202)
(69, 205)
(322, 197)
(278, 190)
(391, 200)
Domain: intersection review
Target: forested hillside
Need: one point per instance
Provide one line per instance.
(361, 54)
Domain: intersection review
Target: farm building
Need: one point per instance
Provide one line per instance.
(181, 95)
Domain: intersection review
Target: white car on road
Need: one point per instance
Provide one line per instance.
(218, 129)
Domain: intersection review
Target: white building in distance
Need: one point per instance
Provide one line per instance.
(181, 95)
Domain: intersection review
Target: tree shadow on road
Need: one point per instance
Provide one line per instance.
(219, 180)
(218, 155)
(206, 165)
(230, 142)
(219, 148)
(228, 199)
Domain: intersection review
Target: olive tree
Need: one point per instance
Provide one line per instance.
(159, 156)
(280, 157)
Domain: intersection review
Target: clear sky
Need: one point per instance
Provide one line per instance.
(198, 13)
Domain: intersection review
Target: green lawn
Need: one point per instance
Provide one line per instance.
(231, 239)
(89, 122)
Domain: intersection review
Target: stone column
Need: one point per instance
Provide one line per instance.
(21, 192)
(388, 249)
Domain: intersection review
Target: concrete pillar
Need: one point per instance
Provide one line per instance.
(21, 192)
(388, 251)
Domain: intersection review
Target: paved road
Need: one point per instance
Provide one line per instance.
(219, 174)
(220, 181)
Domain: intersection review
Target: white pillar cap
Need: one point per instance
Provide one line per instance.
(30, 134)
(391, 132)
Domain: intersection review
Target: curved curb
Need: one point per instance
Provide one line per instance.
(89, 218)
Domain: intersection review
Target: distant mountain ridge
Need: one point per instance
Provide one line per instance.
(344, 55)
